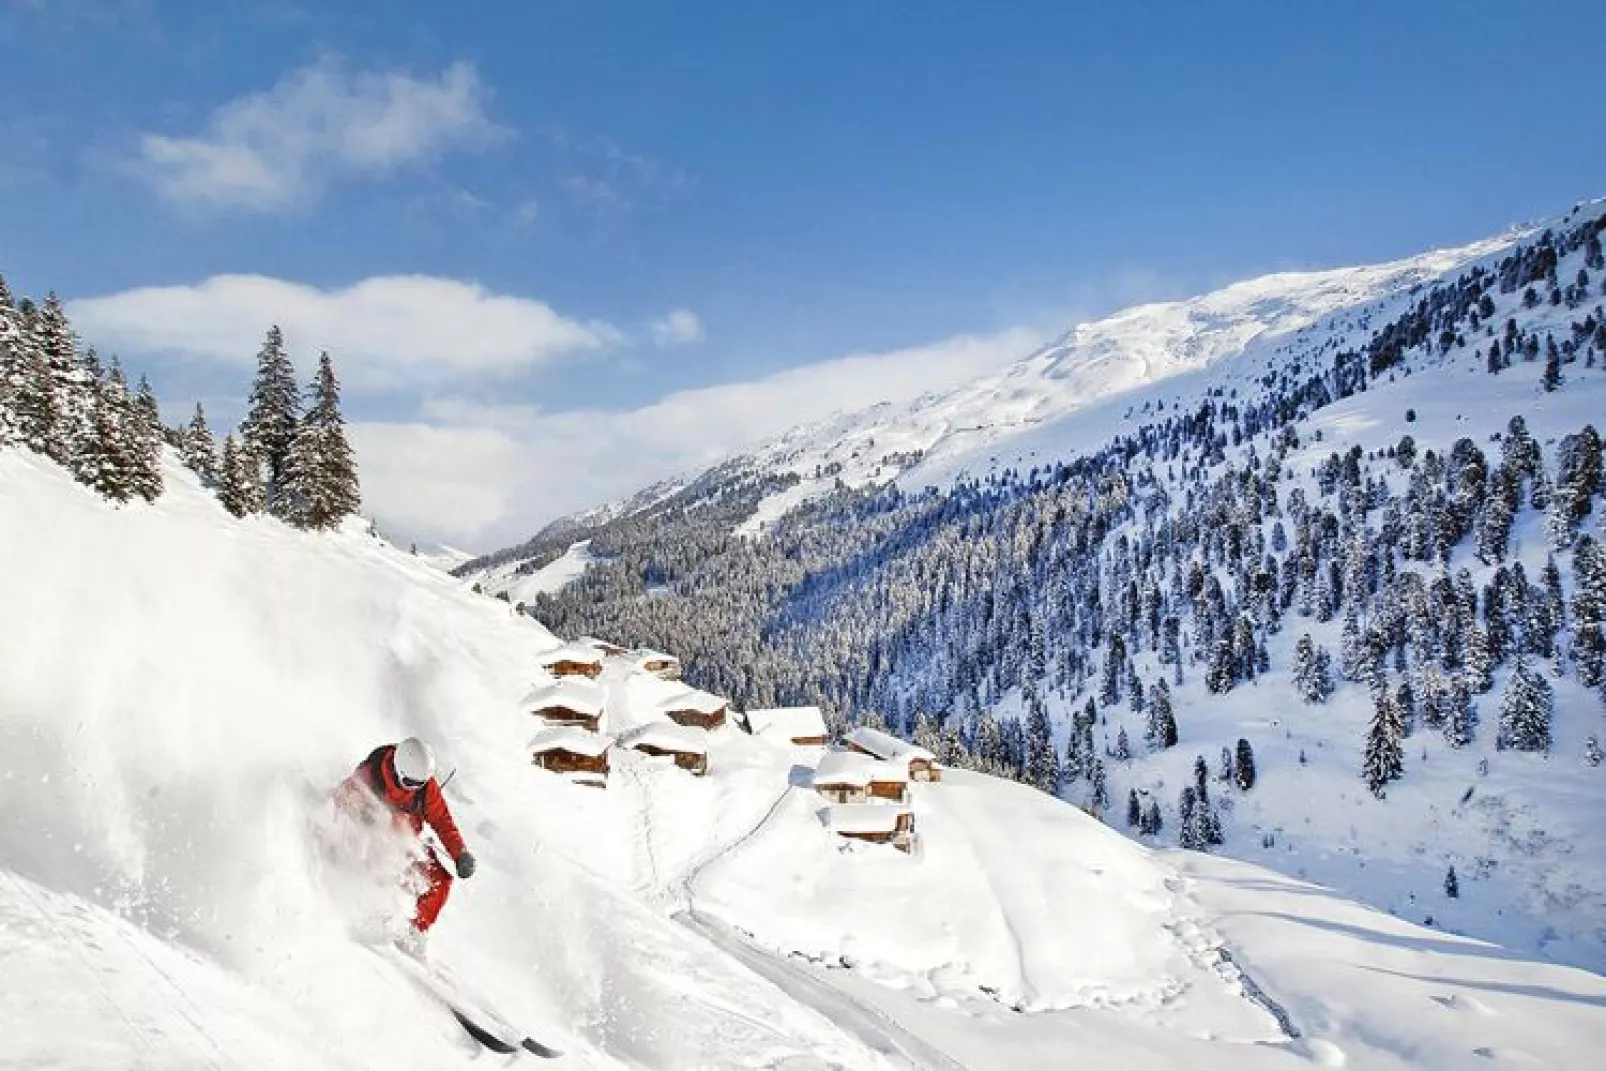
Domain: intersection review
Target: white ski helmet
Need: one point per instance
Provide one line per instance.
(414, 762)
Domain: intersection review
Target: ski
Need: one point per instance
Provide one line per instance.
(478, 1020)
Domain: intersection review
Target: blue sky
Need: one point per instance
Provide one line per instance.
(624, 219)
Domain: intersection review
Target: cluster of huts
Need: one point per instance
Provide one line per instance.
(579, 733)
(865, 781)
(867, 784)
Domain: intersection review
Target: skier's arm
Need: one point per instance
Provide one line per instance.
(439, 817)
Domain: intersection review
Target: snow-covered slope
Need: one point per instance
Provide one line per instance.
(179, 690)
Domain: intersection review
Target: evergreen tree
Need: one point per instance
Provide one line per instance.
(1099, 792)
(1460, 718)
(108, 458)
(14, 372)
(1188, 806)
(1384, 759)
(1134, 810)
(199, 450)
(1245, 766)
(1527, 708)
(240, 482)
(1042, 761)
(71, 401)
(1165, 722)
(144, 421)
(1153, 821)
(1312, 671)
(1592, 752)
(322, 471)
(1123, 748)
(1452, 885)
(269, 429)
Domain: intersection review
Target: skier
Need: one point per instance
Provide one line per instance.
(401, 777)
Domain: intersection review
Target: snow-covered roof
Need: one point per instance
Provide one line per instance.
(667, 736)
(694, 699)
(579, 694)
(864, 817)
(569, 738)
(844, 768)
(605, 646)
(642, 655)
(886, 746)
(789, 723)
(583, 653)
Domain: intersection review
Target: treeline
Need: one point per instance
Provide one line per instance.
(64, 402)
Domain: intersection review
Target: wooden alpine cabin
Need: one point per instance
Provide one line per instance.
(921, 764)
(696, 708)
(579, 755)
(573, 701)
(873, 823)
(573, 660)
(685, 746)
(802, 726)
(843, 777)
(610, 650)
(663, 666)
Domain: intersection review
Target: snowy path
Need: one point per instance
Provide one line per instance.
(870, 1026)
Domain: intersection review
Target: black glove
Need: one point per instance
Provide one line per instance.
(465, 865)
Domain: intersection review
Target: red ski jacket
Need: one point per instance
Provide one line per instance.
(375, 776)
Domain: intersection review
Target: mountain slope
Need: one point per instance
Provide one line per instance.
(187, 687)
(1413, 482)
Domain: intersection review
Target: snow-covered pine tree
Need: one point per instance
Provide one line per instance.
(13, 367)
(1460, 719)
(321, 474)
(1384, 758)
(1244, 768)
(1042, 761)
(200, 451)
(108, 458)
(269, 428)
(240, 481)
(1164, 720)
(71, 391)
(1312, 671)
(143, 419)
(1123, 747)
(1452, 884)
(1527, 708)
(1153, 820)
(1098, 797)
(1592, 751)
(1134, 810)
(1191, 835)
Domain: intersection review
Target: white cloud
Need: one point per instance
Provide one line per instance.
(679, 328)
(527, 212)
(387, 331)
(278, 148)
(547, 464)
(452, 482)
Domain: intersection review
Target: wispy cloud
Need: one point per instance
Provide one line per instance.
(277, 149)
(386, 331)
(681, 327)
(534, 465)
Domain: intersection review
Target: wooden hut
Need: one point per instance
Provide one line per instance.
(843, 777)
(567, 701)
(874, 823)
(921, 764)
(610, 650)
(802, 726)
(565, 749)
(695, 707)
(888, 781)
(685, 746)
(573, 660)
(660, 665)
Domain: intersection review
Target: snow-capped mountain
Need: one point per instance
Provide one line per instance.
(1210, 482)
(189, 686)
(938, 436)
